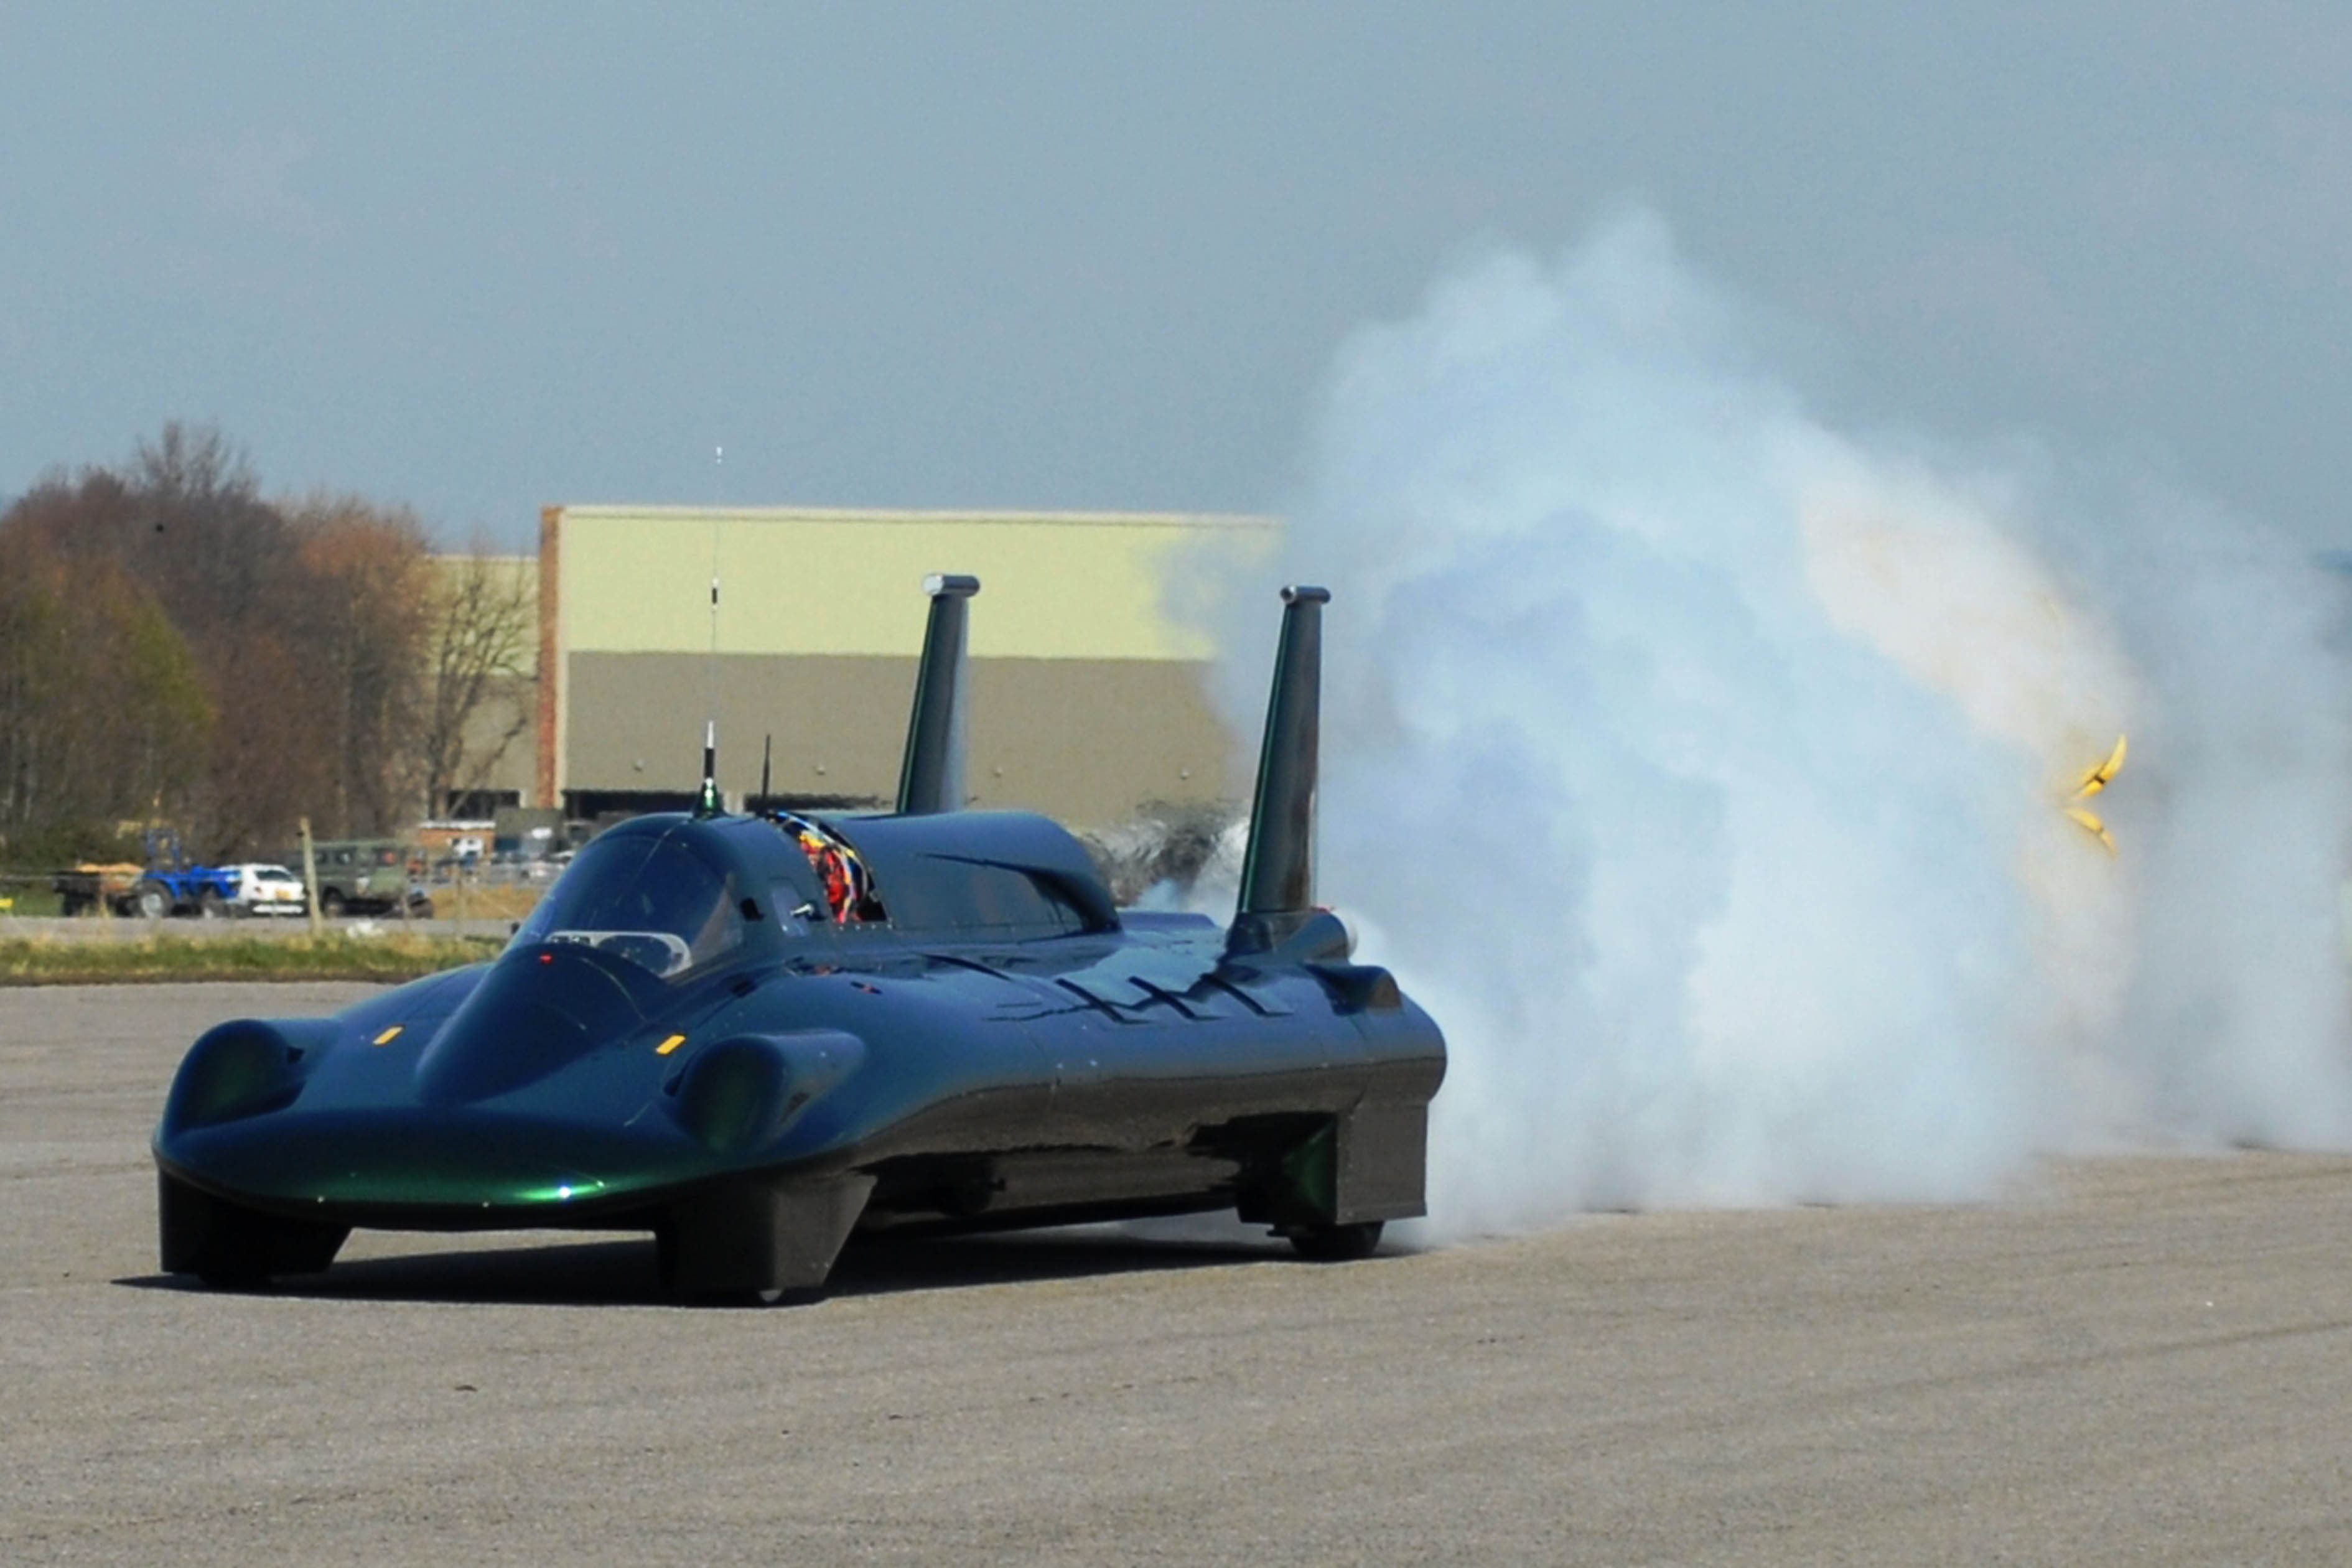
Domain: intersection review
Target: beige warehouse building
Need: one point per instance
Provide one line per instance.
(1087, 701)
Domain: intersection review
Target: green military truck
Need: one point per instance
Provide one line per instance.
(365, 877)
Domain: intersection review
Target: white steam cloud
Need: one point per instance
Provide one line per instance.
(1703, 769)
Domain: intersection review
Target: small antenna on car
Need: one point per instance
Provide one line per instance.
(707, 804)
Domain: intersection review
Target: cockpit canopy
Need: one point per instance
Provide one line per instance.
(664, 901)
(672, 896)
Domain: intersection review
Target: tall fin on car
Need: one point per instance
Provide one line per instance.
(1278, 895)
(931, 779)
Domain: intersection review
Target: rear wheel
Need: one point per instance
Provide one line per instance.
(1337, 1243)
(330, 904)
(152, 899)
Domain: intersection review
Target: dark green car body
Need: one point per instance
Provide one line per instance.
(696, 1034)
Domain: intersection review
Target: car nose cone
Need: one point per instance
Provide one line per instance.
(538, 1009)
(449, 1162)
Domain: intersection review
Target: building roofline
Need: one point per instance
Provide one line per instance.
(926, 518)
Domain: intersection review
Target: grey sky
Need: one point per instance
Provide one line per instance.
(481, 258)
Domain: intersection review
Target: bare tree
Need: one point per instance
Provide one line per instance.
(268, 762)
(484, 617)
(367, 619)
(174, 645)
(219, 557)
(184, 520)
(103, 716)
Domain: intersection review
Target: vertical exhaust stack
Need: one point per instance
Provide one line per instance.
(1277, 893)
(931, 779)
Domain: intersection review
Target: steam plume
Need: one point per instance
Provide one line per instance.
(1701, 768)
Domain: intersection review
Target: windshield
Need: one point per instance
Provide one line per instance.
(654, 901)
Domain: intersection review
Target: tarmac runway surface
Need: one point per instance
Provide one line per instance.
(2138, 1360)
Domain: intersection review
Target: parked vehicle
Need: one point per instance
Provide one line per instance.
(83, 888)
(266, 890)
(169, 884)
(366, 876)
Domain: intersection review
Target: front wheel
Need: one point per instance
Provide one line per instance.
(666, 1269)
(330, 904)
(1337, 1243)
(234, 1248)
(209, 905)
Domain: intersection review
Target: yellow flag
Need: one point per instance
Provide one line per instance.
(2096, 779)
(2093, 782)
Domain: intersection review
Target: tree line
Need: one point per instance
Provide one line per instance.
(177, 647)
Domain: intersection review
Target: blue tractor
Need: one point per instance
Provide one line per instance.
(171, 885)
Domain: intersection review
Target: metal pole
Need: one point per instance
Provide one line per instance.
(310, 876)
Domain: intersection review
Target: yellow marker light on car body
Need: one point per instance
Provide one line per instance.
(669, 1045)
(388, 1035)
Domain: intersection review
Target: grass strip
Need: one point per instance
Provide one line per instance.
(49, 961)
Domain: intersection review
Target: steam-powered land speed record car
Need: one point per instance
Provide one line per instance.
(752, 1035)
